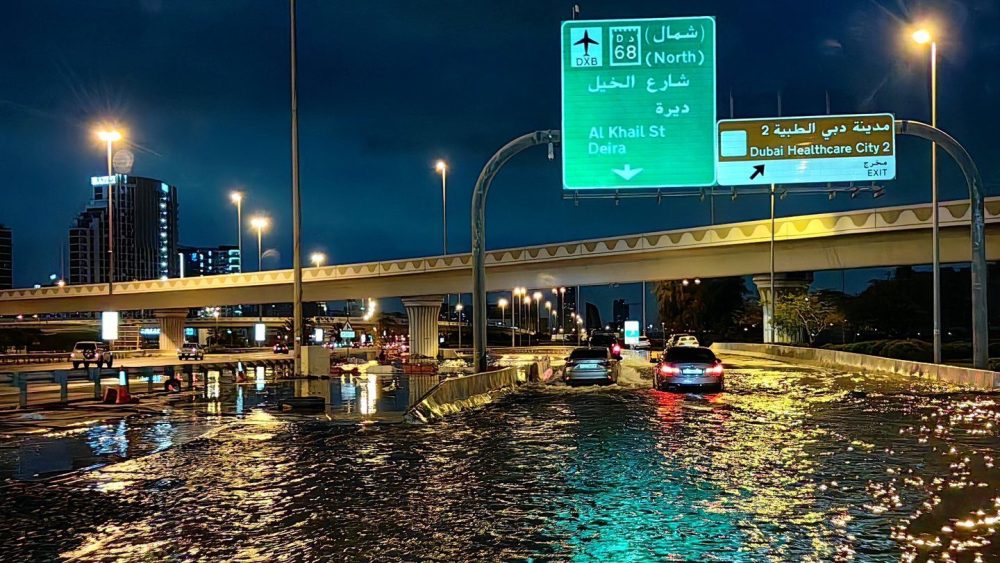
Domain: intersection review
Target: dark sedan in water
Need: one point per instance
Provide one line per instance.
(591, 366)
(685, 366)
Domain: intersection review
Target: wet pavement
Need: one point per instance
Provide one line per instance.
(789, 464)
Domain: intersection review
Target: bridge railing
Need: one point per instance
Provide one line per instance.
(33, 358)
(152, 376)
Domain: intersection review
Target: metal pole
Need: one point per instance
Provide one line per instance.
(260, 256)
(260, 268)
(444, 230)
(479, 232)
(444, 208)
(773, 295)
(111, 224)
(296, 205)
(935, 214)
(643, 308)
(538, 321)
(239, 230)
(977, 225)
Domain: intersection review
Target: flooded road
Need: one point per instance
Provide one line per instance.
(790, 464)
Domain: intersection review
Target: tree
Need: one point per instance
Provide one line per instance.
(705, 307)
(811, 313)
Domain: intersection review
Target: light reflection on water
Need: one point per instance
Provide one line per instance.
(788, 465)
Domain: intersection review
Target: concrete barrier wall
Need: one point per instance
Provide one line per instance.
(455, 394)
(983, 379)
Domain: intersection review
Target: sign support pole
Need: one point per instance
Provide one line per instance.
(977, 225)
(493, 165)
(773, 295)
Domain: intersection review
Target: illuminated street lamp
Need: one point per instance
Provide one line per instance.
(259, 223)
(458, 311)
(109, 137)
(237, 198)
(537, 297)
(442, 169)
(527, 313)
(923, 36)
(317, 259)
(548, 309)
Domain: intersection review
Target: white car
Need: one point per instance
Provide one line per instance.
(642, 344)
(686, 340)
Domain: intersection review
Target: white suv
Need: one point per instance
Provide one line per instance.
(86, 353)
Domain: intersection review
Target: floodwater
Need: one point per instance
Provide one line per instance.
(789, 464)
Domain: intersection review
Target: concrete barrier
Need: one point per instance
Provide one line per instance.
(982, 379)
(458, 393)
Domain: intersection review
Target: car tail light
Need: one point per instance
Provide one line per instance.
(716, 369)
(616, 349)
(669, 369)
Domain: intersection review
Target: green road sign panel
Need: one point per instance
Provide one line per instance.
(638, 103)
(806, 150)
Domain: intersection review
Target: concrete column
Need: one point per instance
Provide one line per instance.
(794, 281)
(171, 328)
(423, 313)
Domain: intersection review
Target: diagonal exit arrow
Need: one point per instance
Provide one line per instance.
(627, 172)
(757, 169)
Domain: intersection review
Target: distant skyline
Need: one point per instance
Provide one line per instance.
(388, 87)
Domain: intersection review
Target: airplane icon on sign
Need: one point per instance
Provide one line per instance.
(586, 42)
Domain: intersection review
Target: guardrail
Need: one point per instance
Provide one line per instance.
(33, 358)
(151, 375)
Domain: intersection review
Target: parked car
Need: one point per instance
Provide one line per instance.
(688, 366)
(191, 351)
(86, 353)
(280, 348)
(591, 366)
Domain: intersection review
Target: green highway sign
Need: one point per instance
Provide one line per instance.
(638, 103)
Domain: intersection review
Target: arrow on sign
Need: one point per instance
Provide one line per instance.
(757, 169)
(627, 172)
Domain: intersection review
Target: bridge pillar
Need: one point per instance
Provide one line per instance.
(795, 281)
(171, 327)
(423, 313)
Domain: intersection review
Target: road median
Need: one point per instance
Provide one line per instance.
(969, 377)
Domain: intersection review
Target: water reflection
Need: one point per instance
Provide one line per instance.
(786, 466)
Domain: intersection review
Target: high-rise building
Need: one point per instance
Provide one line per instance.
(6, 258)
(209, 261)
(144, 229)
(619, 311)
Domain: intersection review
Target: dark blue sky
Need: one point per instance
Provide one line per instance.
(387, 87)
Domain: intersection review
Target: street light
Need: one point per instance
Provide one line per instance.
(442, 168)
(458, 311)
(923, 36)
(260, 223)
(548, 310)
(237, 198)
(317, 259)
(109, 137)
(527, 310)
(537, 296)
(502, 303)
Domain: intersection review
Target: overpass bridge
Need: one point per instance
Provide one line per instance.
(886, 236)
